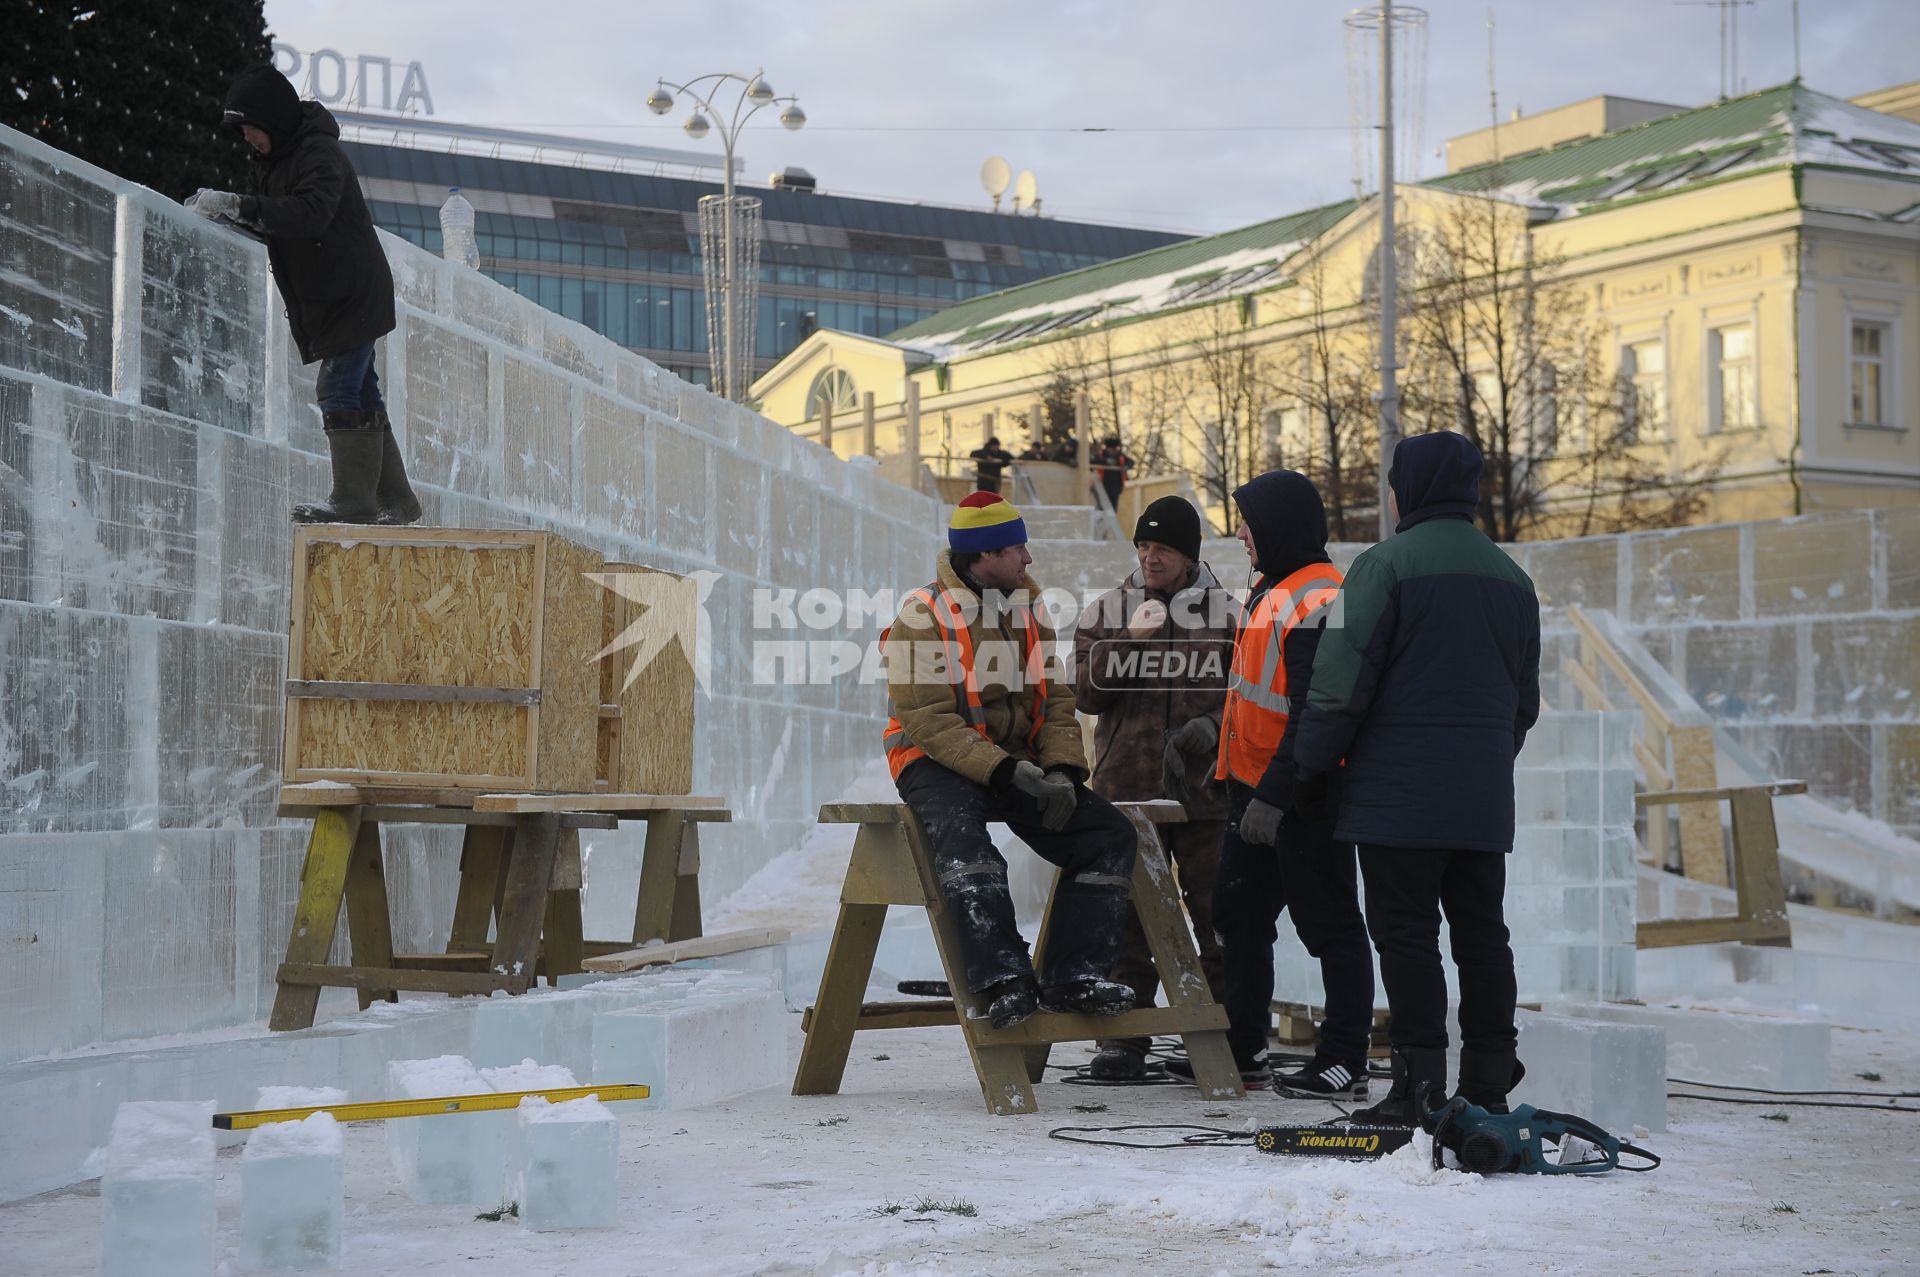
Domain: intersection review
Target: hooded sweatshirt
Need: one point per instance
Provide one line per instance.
(1428, 689)
(1288, 520)
(327, 259)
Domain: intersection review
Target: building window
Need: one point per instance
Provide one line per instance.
(1867, 373)
(1643, 391)
(1732, 403)
(835, 386)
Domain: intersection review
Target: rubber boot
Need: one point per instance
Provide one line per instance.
(1488, 1077)
(356, 448)
(1419, 1084)
(398, 505)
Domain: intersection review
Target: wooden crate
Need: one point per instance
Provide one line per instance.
(443, 657)
(646, 728)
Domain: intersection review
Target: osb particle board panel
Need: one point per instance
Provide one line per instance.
(655, 733)
(569, 713)
(444, 607)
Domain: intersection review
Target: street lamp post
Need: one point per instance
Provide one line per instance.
(731, 315)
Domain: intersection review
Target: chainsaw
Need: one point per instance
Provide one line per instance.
(1482, 1142)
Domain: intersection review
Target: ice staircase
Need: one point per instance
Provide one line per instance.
(1821, 846)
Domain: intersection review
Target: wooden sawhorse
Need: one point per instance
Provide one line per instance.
(891, 866)
(520, 875)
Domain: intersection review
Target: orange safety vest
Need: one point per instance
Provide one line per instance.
(1256, 714)
(959, 644)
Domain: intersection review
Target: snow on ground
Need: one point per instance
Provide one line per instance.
(799, 889)
(770, 1183)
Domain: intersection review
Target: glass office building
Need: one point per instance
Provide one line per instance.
(618, 249)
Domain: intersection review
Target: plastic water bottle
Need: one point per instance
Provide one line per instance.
(457, 243)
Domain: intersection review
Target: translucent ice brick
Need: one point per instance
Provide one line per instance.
(292, 1183)
(569, 1165)
(158, 1191)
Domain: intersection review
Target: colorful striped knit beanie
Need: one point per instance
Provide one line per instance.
(985, 522)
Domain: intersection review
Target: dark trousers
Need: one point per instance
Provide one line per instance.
(1407, 890)
(1194, 849)
(347, 382)
(1094, 851)
(1311, 875)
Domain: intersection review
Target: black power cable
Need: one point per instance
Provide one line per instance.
(1793, 1104)
(1761, 1090)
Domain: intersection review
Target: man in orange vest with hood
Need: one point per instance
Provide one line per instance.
(982, 730)
(1275, 857)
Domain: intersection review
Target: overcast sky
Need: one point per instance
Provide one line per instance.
(1222, 112)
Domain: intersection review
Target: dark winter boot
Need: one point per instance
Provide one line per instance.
(356, 448)
(1256, 1074)
(1118, 1062)
(1088, 997)
(1488, 1077)
(1419, 1084)
(1011, 1001)
(398, 505)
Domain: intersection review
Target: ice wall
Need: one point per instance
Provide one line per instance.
(1799, 636)
(155, 425)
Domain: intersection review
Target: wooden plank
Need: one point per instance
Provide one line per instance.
(924, 1013)
(1159, 811)
(564, 948)
(523, 900)
(1057, 1026)
(1773, 789)
(686, 923)
(659, 863)
(369, 922)
(623, 803)
(1703, 850)
(1593, 640)
(880, 871)
(450, 694)
(470, 960)
(713, 946)
(317, 976)
(323, 881)
(1756, 867)
(1663, 933)
(849, 965)
(481, 856)
(860, 813)
(659, 698)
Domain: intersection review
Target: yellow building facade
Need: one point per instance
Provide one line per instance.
(1712, 315)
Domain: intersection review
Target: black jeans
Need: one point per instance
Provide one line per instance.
(1095, 850)
(1313, 876)
(1407, 890)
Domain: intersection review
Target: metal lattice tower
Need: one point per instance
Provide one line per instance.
(733, 302)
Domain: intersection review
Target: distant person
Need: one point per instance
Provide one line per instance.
(982, 730)
(1113, 463)
(1036, 451)
(333, 278)
(1158, 732)
(990, 461)
(1427, 692)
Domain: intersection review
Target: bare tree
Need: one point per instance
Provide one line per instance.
(1229, 392)
(1508, 354)
(1332, 391)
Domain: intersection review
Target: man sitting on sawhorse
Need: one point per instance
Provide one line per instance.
(980, 733)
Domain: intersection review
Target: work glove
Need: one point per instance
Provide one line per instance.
(1198, 737)
(214, 204)
(1312, 799)
(1260, 824)
(1052, 791)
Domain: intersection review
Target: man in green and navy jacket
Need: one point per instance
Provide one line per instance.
(1424, 697)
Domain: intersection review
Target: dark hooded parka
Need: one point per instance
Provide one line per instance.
(326, 258)
(1428, 688)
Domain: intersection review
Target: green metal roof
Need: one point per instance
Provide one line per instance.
(1786, 124)
(1572, 171)
(1192, 253)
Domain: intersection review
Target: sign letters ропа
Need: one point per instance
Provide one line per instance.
(327, 79)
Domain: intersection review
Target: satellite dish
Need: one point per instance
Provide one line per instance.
(995, 174)
(1026, 190)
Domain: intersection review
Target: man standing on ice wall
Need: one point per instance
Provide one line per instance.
(334, 279)
(1427, 692)
(982, 729)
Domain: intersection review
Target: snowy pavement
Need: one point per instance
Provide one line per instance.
(770, 1183)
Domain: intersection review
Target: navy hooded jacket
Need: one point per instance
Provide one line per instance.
(1429, 687)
